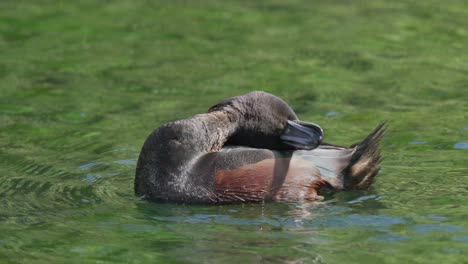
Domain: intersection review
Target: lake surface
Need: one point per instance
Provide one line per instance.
(84, 82)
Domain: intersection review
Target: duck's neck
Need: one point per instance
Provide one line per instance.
(216, 128)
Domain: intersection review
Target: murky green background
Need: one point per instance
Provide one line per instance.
(82, 83)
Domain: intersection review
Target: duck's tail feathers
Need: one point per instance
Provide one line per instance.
(364, 164)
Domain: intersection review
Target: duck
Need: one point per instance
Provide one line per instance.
(251, 148)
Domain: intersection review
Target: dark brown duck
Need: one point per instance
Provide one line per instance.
(250, 148)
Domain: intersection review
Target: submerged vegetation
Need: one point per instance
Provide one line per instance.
(84, 82)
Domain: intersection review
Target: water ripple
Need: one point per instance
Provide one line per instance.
(426, 228)
(91, 178)
(219, 219)
(370, 221)
(437, 218)
(39, 186)
(418, 142)
(131, 162)
(365, 198)
(461, 145)
(460, 238)
(390, 238)
(89, 165)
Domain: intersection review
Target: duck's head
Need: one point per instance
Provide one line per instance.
(266, 121)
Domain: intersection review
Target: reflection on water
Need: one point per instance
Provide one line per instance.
(460, 238)
(390, 238)
(418, 142)
(84, 83)
(436, 228)
(461, 145)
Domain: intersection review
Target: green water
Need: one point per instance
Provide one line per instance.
(82, 83)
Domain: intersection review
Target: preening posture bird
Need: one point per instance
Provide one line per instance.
(251, 148)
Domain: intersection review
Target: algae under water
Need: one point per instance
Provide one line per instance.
(84, 82)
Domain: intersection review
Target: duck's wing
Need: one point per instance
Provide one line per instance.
(245, 174)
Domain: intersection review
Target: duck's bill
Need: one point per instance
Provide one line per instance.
(302, 135)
